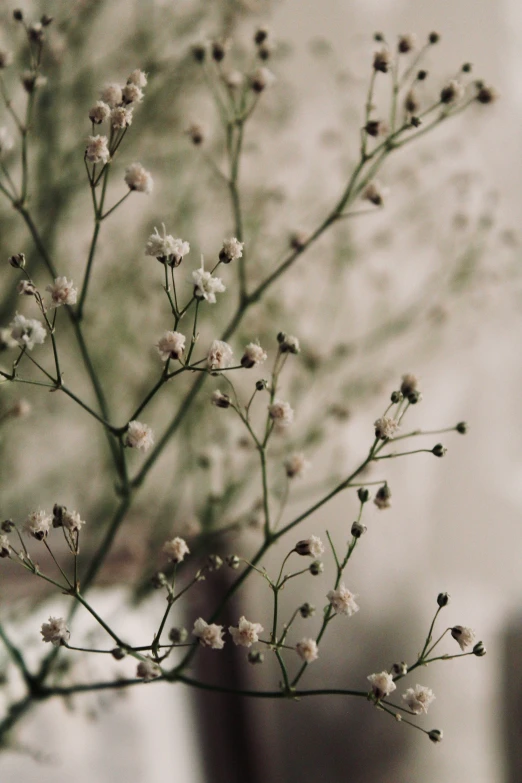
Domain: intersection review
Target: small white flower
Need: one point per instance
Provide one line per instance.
(233, 79)
(343, 601)
(253, 355)
(246, 634)
(464, 636)
(232, 250)
(206, 286)
(55, 631)
(139, 179)
(209, 635)
(418, 699)
(138, 78)
(307, 650)
(5, 547)
(112, 95)
(97, 150)
(386, 428)
(281, 413)
(382, 684)
(261, 79)
(62, 292)
(121, 117)
(6, 141)
(99, 112)
(71, 521)
(132, 93)
(176, 549)
(171, 345)
(296, 465)
(26, 288)
(27, 332)
(219, 356)
(166, 247)
(139, 436)
(38, 524)
(312, 546)
(148, 670)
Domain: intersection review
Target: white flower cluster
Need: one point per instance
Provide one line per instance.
(209, 635)
(139, 436)
(55, 631)
(27, 332)
(206, 286)
(166, 248)
(246, 634)
(62, 292)
(176, 549)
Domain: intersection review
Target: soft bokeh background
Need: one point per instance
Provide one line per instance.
(454, 524)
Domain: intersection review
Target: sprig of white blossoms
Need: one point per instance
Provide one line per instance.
(139, 436)
(312, 546)
(38, 524)
(62, 292)
(281, 413)
(464, 636)
(219, 356)
(382, 684)
(55, 631)
(307, 650)
(139, 179)
(171, 345)
(27, 332)
(342, 601)
(209, 635)
(246, 634)
(176, 549)
(166, 248)
(418, 699)
(206, 286)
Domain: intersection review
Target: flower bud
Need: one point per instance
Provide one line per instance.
(199, 52)
(316, 568)
(218, 51)
(17, 261)
(435, 735)
(18, 15)
(358, 529)
(434, 38)
(118, 653)
(306, 610)
(255, 656)
(396, 396)
(260, 36)
(443, 599)
(158, 580)
(46, 20)
(178, 635)
(479, 650)
(421, 75)
(261, 385)
(7, 525)
(232, 561)
(439, 450)
(399, 669)
(462, 427)
(214, 562)
(363, 494)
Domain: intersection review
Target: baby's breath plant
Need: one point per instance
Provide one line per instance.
(228, 402)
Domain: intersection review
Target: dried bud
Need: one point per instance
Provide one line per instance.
(159, 580)
(433, 38)
(17, 261)
(46, 20)
(467, 68)
(214, 562)
(443, 599)
(18, 15)
(439, 450)
(199, 52)
(178, 635)
(415, 122)
(261, 79)
(358, 529)
(220, 400)
(232, 561)
(363, 494)
(306, 610)
(255, 656)
(421, 75)
(452, 92)
(411, 104)
(261, 35)
(196, 134)
(376, 128)
(298, 240)
(58, 512)
(399, 669)
(118, 653)
(486, 94)
(264, 51)
(462, 427)
(435, 735)
(316, 568)
(396, 396)
(381, 60)
(218, 50)
(261, 385)
(8, 525)
(479, 650)
(288, 343)
(26, 288)
(406, 43)
(36, 32)
(382, 497)
(414, 397)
